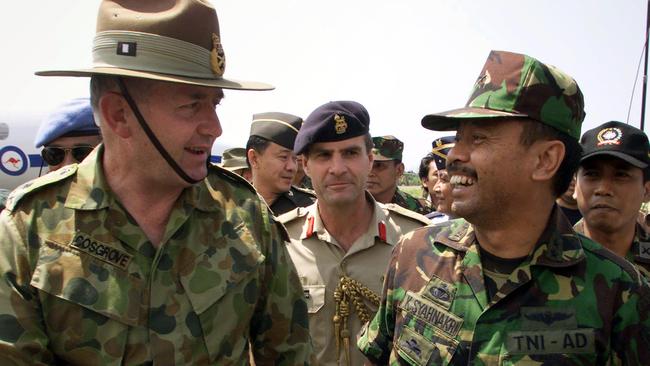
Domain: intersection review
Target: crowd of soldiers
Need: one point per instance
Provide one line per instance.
(300, 248)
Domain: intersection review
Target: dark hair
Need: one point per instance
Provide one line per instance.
(259, 144)
(535, 131)
(100, 84)
(367, 139)
(423, 172)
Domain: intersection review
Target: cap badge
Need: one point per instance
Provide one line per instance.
(609, 136)
(217, 56)
(339, 124)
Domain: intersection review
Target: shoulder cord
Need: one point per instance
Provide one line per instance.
(348, 290)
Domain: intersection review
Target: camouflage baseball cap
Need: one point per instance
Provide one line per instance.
(516, 85)
(387, 148)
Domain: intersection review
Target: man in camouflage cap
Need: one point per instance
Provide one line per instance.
(234, 160)
(387, 168)
(510, 282)
(613, 181)
(269, 151)
(145, 253)
(341, 243)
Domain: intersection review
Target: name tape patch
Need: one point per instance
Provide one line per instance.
(432, 313)
(551, 341)
(101, 251)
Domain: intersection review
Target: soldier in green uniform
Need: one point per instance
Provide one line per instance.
(145, 253)
(341, 244)
(270, 154)
(613, 181)
(510, 283)
(387, 168)
(234, 160)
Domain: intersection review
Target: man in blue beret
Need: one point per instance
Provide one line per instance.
(341, 243)
(68, 134)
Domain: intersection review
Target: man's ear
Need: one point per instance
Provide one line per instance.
(253, 158)
(548, 156)
(400, 169)
(114, 112)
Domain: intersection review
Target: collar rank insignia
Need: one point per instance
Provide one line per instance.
(340, 126)
(217, 57)
(609, 136)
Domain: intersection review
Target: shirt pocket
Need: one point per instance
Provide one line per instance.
(315, 297)
(86, 304)
(224, 288)
(424, 345)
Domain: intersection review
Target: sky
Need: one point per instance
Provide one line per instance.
(400, 59)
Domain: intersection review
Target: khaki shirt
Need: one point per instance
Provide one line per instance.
(321, 262)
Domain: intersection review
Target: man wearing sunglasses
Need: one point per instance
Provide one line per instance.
(68, 134)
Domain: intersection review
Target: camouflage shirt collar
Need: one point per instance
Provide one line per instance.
(558, 246)
(90, 190)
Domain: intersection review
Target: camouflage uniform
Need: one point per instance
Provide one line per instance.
(570, 302)
(296, 197)
(409, 202)
(321, 264)
(83, 285)
(639, 253)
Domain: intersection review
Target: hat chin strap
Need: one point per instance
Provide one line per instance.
(156, 143)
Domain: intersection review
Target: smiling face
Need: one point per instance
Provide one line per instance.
(442, 192)
(610, 192)
(273, 169)
(339, 170)
(184, 119)
(489, 170)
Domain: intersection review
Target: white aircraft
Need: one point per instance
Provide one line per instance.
(20, 161)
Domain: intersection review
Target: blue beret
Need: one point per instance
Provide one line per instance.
(73, 118)
(440, 150)
(333, 121)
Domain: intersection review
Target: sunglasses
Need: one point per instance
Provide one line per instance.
(55, 155)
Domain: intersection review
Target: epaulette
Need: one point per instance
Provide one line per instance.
(37, 184)
(408, 213)
(308, 191)
(234, 177)
(292, 215)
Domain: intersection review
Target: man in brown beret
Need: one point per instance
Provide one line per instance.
(269, 151)
(145, 253)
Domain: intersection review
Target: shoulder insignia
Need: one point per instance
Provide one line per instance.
(408, 213)
(287, 217)
(234, 177)
(305, 191)
(37, 184)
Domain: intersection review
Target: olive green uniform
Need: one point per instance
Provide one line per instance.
(419, 205)
(321, 263)
(571, 302)
(639, 253)
(82, 284)
(295, 197)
